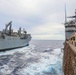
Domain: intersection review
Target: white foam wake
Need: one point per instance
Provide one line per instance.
(27, 61)
(48, 64)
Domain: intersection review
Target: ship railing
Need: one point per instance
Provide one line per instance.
(25, 36)
(70, 24)
(72, 46)
(72, 39)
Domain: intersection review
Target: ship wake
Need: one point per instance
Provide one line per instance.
(29, 61)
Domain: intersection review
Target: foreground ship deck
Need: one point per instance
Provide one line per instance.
(11, 40)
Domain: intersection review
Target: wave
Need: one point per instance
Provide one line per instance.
(29, 61)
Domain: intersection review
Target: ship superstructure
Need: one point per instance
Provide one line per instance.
(11, 40)
(70, 26)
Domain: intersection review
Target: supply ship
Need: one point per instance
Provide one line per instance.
(11, 40)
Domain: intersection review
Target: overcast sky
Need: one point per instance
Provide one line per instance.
(43, 19)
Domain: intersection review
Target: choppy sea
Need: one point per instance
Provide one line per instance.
(41, 57)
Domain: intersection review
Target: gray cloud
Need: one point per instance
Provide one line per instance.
(38, 17)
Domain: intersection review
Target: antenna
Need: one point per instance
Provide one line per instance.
(75, 15)
(65, 14)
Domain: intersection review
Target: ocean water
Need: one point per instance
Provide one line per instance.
(41, 57)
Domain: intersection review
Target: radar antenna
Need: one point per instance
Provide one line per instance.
(73, 16)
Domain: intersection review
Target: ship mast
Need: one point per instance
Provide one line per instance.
(75, 15)
(65, 15)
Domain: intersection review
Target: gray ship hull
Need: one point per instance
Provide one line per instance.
(11, 42)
